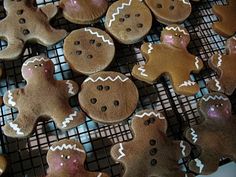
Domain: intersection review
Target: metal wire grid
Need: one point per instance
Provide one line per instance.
(27, 157)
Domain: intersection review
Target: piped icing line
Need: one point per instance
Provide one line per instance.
(142, 71)
(70, 87)
(217, 84)
(234, 38)
(122, 154)
(150, 48)
(16, 128)
(35, 59)
(183, 147)
(216, 97)
(187, 83)
(99, 175)
(105, 79)
(186, 2)
(66, 147)
(69, 119)
(194, 135)
(177, 29)
(118, 12)
(11, 99)
(199, 164)
(99, 36)
(150, 114)
(197, 62)
(219, 60)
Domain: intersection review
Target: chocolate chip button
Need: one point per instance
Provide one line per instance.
(153, 142)
(26, 31)
(100, 87)
(93, 100)
(153, 162)
(153, 151)
(103, 108)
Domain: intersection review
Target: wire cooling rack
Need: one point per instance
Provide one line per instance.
(27, 157)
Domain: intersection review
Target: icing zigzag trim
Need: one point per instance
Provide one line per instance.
(122, 154)
(150, 114)
(187, 83)
(177, 28)
(186, 2)
(197, 62)
(69, 119)
(215, 98)
(219, 60)
(183, 148)
(217, 84)
(99, 175)
(16, 128)
(70, 87)
(194, 135)
(199, 164)
(66, 147)
(105, 79)
(150, 48)
(99, 36)
(11, 99)
(142, 71)
(36, 59)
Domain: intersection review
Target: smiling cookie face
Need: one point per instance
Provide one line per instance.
(108, 97)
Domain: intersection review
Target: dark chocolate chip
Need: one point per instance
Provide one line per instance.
(77, 43)
(20, 12)
(93, 100)
(116, 103)
(100, 87)
(107, 88)
(103, 108)
(26, 31)
(78, 52)
(22, 21)
(153, 142)
(153, 162)
(153, 151)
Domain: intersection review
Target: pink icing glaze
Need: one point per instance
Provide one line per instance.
(215, 112)
(179, 42)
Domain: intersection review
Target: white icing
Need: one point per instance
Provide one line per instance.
(150, 114)
(70, 87)
(219, 60)
(1, 171)
(234, 38)
(194, 135)
(200, 165)
(35, 59)
(105, 79)
(183, 147)
(118, 12)
(197, 62)
(150, 48)
(61, 164)
(187, 83)
(186, 2)
(216, 97)
(66, 147)
(122, 154)
(11, 99)
(177, 29)
(69, 119)
(99, 175)
(16, 128)
(99, 36)
(217, 84)
(142, 71)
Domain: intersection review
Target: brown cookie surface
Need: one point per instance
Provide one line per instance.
(128, 21)
(227, 15)
(83, 11)
(42, 96)
(215, 135)
(172, 59)
(108, 97)
(169, 11)
(225, 67)
(25, 23)
(89, 50)
(3, 164)
(150, 153)
(66, 158)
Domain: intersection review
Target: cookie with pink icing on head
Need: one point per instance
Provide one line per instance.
(215, 136)
(170, 58)
(225, 66)
(66, 158)
(43, 96)
(151, 152)
(3, 164)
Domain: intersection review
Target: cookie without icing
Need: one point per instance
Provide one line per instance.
(89, 50)
(83, 11)
(150, 153)
(225, 67)
(3, 164)
(108, 97)
(26, 23)
(43, 96)
(215, 135)
(170, 11)
(227, 15)
(128, 21)
(66, 159)
(172, 59)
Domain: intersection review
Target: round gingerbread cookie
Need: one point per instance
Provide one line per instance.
(89, 50)
(108, 97)
(170, 11)
(83, 11)
(3, 164)
(128, 21)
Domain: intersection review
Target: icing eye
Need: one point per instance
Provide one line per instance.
(35, 66)
(41, 64)
(67, 157)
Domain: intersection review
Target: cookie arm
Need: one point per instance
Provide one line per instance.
(197, 64)
(118, 152)
(49, 10)
(70, 87)
(11, 96)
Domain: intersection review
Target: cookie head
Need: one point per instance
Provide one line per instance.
(176, 36)
(231, 45)
(215, 106)
(37, 67)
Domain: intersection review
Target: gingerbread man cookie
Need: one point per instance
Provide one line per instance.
(215, 135)
(150, 153)
(3, 164)
(66, 159)
(225, 67)
(227, 15)
(43, 96)
(128, 21)
(170, 11)
(172, 59)
(25, 23)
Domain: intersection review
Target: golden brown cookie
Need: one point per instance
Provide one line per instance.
(3, 164)
(83, 11)
(225, 67)
(170, 11)
(42, 96)
(66, 158)
(227, 15)
(215, 136)
(89, 50)
(150, 153)
(128, 21)
(170, 58)
(26, 23)
(108, 97)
